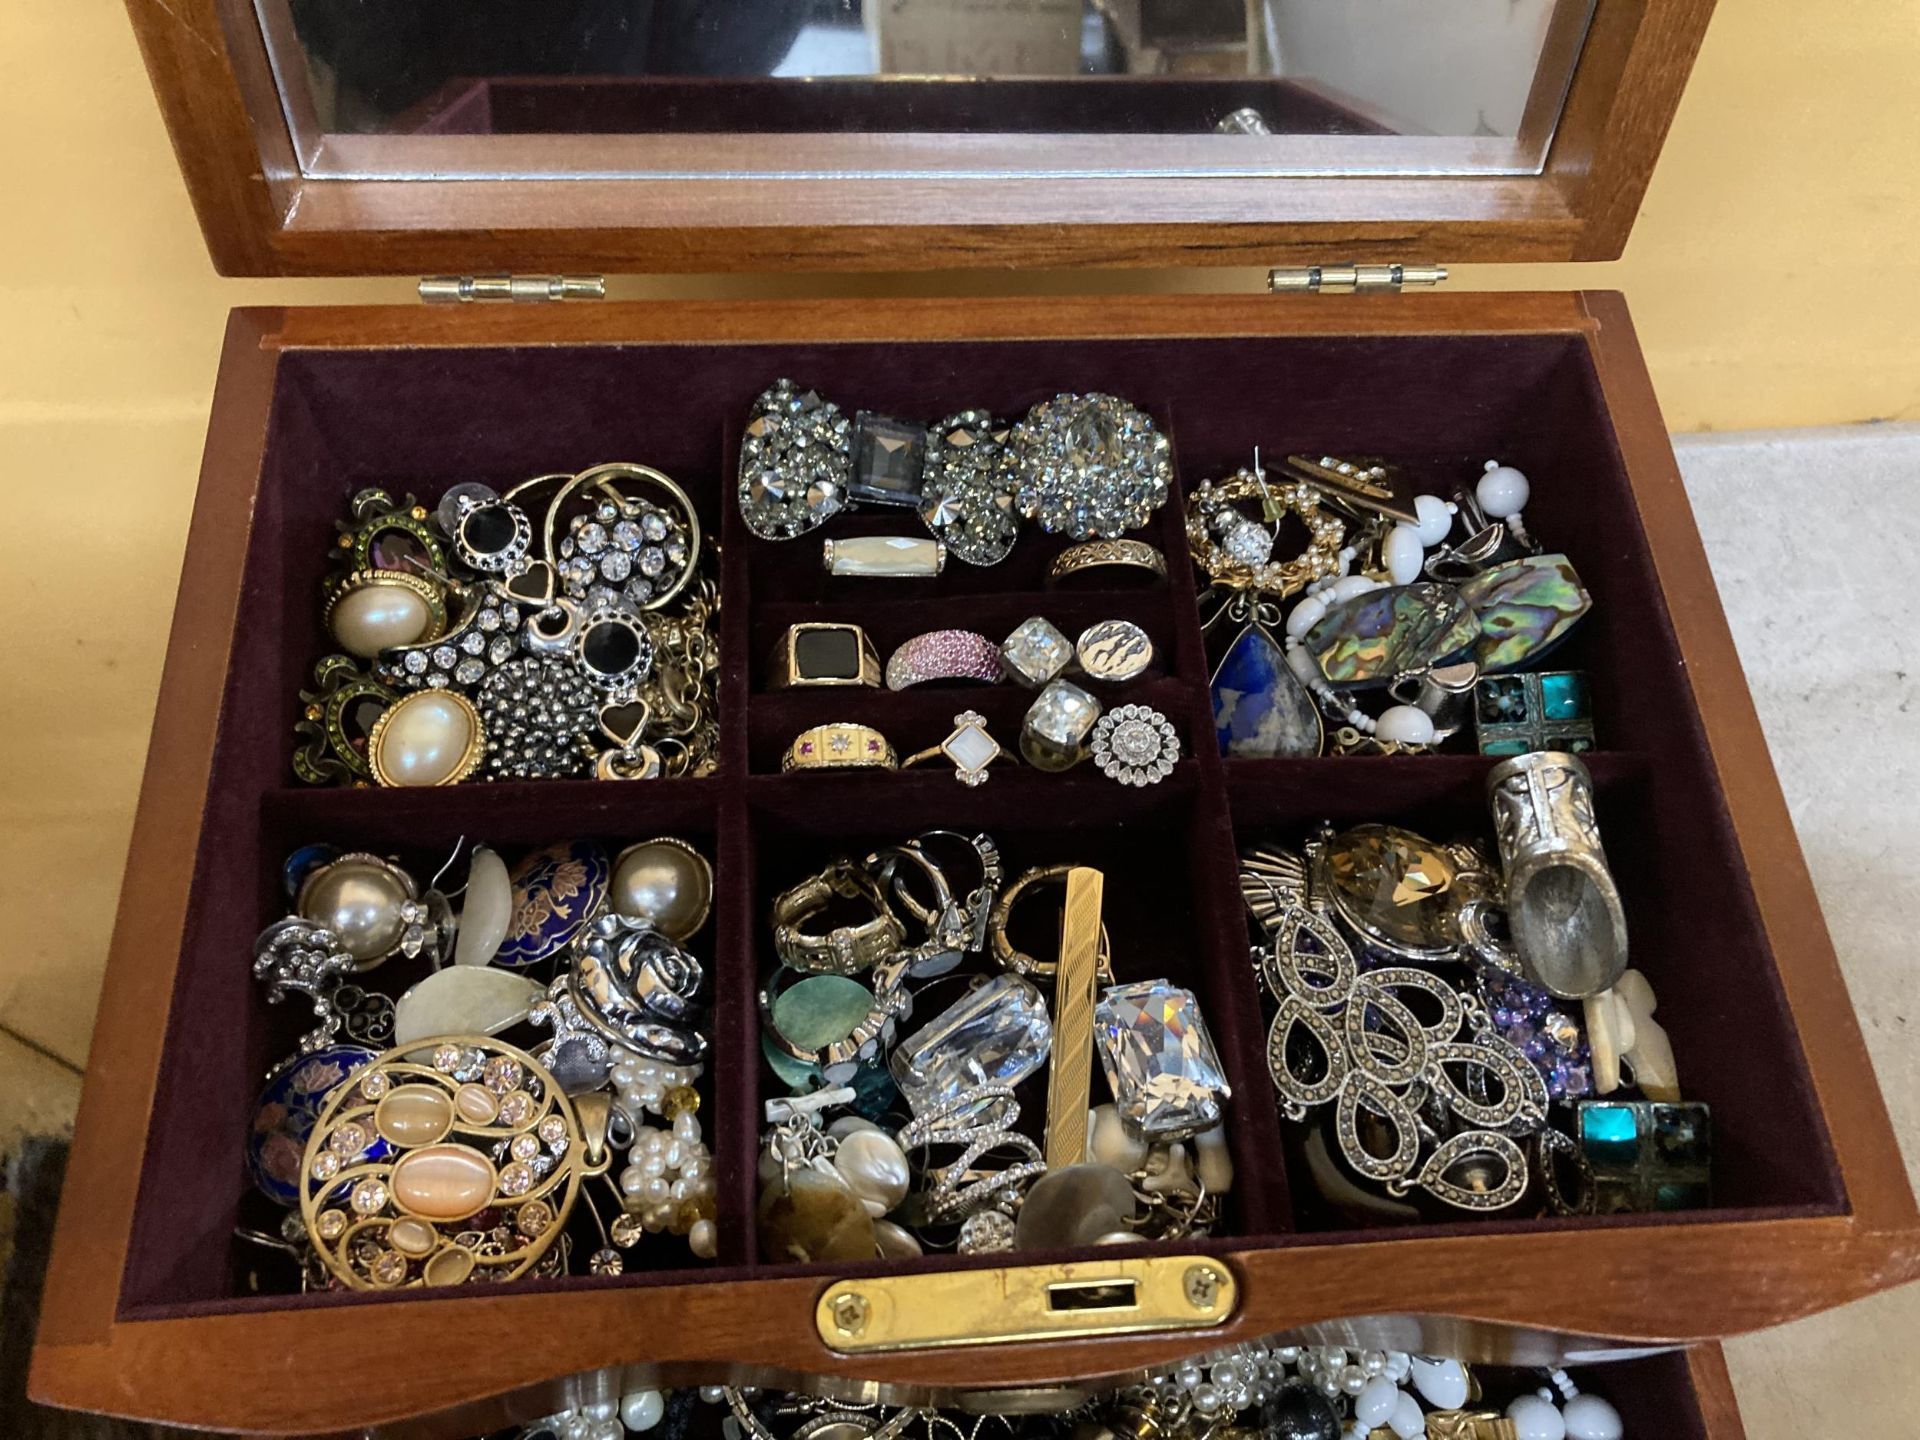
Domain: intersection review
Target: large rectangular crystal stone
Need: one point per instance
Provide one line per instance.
(1160, 1063)
(998, 1033)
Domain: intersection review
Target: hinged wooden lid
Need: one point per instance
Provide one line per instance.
(314, 142)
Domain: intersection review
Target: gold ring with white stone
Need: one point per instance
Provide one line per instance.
(843, 745)
(402, 1159)
(969, 747)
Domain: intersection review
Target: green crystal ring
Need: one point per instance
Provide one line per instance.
(806, 1018)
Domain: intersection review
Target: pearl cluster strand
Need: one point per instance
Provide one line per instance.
(668, 1168)
(1385, 1389)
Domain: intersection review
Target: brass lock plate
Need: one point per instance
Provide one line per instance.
(1029, 1302)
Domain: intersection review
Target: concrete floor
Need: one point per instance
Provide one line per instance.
(1839, 692)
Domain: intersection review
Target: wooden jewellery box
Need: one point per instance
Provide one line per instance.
(146, 1311)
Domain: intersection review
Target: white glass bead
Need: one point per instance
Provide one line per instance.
(600, 1411)
(1408, 724)
(575, 1427)
(1353, 1379)
(1436, 518)
(1304, 666)
(1402, 554)
(1304, 616)
(1441, 1383)
(1348, 586)
(1536, 1419)
(1406, 1420)
(1502, 491)
(713, 1394)
(1374, 1405)
(610, 1430)
(1588, 1417)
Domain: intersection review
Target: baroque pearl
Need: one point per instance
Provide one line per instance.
(666, 883)
(1408, 724)
(377, 616)
(359, 898)
(443, 1182)
(1502, 491)
(1436, 518)
(1213, 1162)
(875, 1169)
(431, 737)
(1402, 554)
(1111, 1143)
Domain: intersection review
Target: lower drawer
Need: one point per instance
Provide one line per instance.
(1671, 1395)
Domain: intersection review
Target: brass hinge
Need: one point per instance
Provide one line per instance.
(466, 289)
(1346, 279)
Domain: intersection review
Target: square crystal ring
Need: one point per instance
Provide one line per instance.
(1166, 1077)
(1063, 713)
(1036, 652)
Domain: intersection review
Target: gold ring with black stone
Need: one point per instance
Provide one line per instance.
(824, 653)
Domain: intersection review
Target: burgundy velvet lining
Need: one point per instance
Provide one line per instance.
(1083, 105)
(417, 420)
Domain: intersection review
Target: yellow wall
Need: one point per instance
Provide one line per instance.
(1773, 276)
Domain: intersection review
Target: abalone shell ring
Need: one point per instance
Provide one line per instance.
(406, 1157)
(944, 655)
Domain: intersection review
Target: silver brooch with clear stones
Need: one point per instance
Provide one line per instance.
(1089, 465)
(795, 460)
(967, 488)
(1136, 745)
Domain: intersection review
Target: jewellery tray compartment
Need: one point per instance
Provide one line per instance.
(144, 1313)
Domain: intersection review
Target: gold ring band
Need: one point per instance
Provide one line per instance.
(1097, 554)
(843, 745)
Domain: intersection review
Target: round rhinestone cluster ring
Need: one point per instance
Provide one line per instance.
(460, 1169)
(1136, 745)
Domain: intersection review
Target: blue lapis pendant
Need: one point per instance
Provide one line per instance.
(1261, 709)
